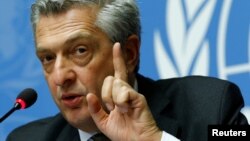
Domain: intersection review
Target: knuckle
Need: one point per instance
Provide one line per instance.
(108, 78)
(105, 97)
(117, 81)
(123, 95)
(142, 97)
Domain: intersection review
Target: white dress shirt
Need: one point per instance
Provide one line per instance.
(84, 136)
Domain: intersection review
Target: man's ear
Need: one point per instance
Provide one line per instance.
(132, 52)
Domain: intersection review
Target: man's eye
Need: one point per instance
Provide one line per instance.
(80, 50)
(47, 59)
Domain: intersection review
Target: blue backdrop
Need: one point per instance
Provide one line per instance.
(179, 38)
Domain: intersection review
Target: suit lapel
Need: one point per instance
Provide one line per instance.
(69, 133)
(156, 95)
(61, 130)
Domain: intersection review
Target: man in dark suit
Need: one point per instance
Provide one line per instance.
(89, 50)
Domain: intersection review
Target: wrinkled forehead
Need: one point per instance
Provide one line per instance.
(78, 15)
(65, 24)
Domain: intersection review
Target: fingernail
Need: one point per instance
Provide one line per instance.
(109, 106)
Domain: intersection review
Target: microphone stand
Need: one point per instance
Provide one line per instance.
(17, 106)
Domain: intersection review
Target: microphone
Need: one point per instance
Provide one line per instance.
(24, 100)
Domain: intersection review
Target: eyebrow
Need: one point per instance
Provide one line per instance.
(78, 36)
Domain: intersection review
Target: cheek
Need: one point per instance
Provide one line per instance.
(91, 79)
(94, 75)
(51, 84)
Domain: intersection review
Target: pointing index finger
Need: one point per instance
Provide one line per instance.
(119, 63)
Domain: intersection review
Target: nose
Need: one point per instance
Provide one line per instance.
(63, 73)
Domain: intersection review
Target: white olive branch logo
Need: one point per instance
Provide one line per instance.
(186, 31)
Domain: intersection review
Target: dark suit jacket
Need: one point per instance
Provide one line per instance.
(183, 107)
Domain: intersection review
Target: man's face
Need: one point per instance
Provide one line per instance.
(76, 57)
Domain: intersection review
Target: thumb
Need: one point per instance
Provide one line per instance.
(96, 111)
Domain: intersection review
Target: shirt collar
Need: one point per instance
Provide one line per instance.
(84, 136)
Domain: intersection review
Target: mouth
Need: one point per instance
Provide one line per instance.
(72, 101)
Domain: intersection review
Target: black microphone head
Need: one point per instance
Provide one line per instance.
(26, 98)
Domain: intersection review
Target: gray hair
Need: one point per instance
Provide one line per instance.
(117, 18)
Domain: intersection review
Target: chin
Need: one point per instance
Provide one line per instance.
(79, 118)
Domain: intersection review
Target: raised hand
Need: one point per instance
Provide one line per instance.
(129, 118)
